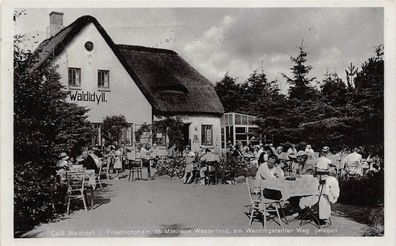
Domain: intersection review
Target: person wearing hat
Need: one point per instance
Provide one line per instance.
(62, 165)
(63, 162)
(292, 151)
(301, 158)
(329, 191)
(326, 151)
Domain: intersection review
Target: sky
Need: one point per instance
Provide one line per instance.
(237, 41)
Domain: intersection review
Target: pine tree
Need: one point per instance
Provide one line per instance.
(229, 93)
(300, 84)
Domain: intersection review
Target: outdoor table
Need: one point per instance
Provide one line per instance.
(304, 186)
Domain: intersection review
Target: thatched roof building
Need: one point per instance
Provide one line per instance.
(168, 82)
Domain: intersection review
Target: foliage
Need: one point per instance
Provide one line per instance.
(375, 223)
(171, 166)
(112, 128)
(139, 132)
(173, 128)
(229, 93)
(344, 113)
(365, 190)
(44, 126)
(237, 166)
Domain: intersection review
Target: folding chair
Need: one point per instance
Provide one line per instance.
(255, 206)
(310, 214)
(135, 167)
(272, 205)
(76, 188)
(98, 176)
(106, 166)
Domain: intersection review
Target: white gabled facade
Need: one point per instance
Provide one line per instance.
(79, 64)
(123, 95)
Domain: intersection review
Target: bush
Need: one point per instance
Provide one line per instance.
(45, 125)
(237, 166)
(34, 196)
(375, 223)
(172, 166)
(365, 190)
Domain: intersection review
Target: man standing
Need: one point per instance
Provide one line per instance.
(145, 153)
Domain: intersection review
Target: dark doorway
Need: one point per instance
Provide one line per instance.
(186, 135)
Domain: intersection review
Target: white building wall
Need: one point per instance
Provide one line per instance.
(123, 96)
(195, 130)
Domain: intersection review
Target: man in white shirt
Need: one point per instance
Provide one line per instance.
(352, 162)
(269, 169)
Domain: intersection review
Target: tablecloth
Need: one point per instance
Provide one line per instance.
(304, 186)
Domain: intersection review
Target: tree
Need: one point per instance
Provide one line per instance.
(112, 128)
(229, 93)
(173, 128)
(300, 84)
(369, 99)
(44, 126)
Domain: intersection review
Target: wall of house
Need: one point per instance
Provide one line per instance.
(195, 134)
(123, 96)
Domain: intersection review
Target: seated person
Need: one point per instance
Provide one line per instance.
(61, 181)
(63, 164)
(207, 161)
(87, 160)
(329, 190)
(269, 170)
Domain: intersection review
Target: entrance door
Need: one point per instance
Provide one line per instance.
(186, 134)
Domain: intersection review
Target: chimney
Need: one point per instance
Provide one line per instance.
(55, 23)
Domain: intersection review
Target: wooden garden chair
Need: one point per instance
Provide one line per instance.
(76, 188)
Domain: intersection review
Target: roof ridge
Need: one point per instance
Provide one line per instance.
(85, 18)
(145, 48)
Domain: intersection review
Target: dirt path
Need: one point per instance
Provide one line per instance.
(167, 207)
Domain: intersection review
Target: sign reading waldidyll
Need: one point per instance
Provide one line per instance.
(87, 96)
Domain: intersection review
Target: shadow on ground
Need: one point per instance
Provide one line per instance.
(355, 213)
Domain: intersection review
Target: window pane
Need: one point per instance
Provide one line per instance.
(78, 75)
(244, 120)
(103, 78)
(240, 129)
(74, 76)
(207, 134)
(238, 119)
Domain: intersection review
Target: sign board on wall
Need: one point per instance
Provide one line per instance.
(87, 96)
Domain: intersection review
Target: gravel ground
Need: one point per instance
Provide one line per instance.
(166, 207)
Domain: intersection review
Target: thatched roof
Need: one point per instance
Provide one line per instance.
(168, 82)
(175, 85)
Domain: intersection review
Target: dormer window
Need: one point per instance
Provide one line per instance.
(171, 88)
(104, 79)
(74, 77)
